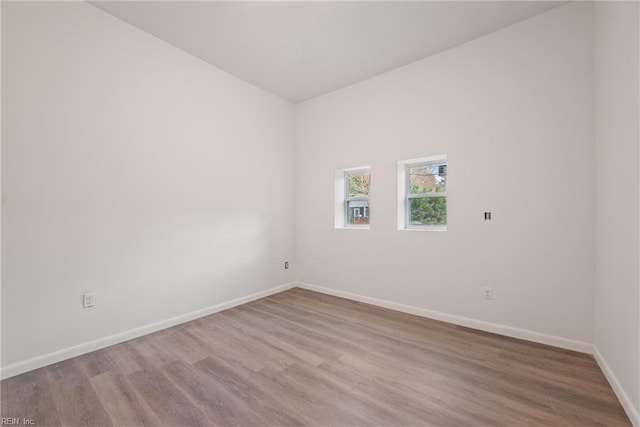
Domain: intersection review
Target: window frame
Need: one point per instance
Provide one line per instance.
(347, 199)
(405, 196)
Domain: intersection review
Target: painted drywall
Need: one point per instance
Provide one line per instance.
(513, 112)
(617, 290)
(134, 170)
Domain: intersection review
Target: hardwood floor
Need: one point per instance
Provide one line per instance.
(304, 358)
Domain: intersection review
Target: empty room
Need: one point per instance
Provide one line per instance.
(320, 213)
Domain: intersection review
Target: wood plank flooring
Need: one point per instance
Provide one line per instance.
(304, 358)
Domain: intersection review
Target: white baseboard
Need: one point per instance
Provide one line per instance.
(495, 328)
(77, 350)
(623, 397)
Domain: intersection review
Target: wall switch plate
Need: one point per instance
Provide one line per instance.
(488, 292)
(286, 265)
(487, 216)
(88, 299)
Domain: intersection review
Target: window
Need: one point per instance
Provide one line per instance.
(422, 189)
(352, 198)
(357, 197)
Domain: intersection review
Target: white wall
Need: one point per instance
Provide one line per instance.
(513, 112)
(159, 224)
(617, 297)
(134, 170)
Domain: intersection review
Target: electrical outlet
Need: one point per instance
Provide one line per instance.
(88, 299)
(488, 292)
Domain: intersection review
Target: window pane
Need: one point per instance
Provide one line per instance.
(357, 212)
(428, 179)
(428, 211)
(359, 184)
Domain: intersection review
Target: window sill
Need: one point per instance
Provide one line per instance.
(425, 228)
(353, 227)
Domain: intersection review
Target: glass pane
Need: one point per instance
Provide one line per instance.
(428, 211)
(359, 184)
(428, 179)
(357, 212)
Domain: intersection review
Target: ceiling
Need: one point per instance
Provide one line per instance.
(299, 50)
